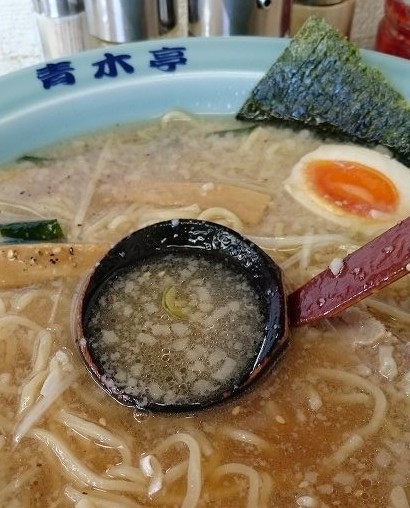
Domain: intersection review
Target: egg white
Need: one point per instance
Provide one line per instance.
(299, 188)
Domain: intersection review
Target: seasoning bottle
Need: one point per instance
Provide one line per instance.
(119, 21)
(62, 26)
(393, 35)
(239, 17)
(338, 13)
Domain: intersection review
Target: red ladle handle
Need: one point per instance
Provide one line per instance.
(373, 266)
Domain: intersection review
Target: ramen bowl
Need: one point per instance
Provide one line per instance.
(328, 426)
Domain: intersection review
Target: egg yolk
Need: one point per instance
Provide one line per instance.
(353, 187)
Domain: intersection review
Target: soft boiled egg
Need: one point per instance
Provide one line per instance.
(352, 186)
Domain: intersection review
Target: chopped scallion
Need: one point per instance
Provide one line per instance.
(176, 307)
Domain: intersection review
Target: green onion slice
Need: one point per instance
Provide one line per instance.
(175, 306)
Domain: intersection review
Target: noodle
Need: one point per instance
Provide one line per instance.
(294, 241)
(194, 476)
(22, 208)
(350, 446)
(92, 182)
(391, 311)
(30, 391)
(291, 261)
(305, 254)
(20, 301)
(36, 412)
(106, 500)
(380, 402)
(75, 469)
(349, 398)
(244, 436)
(97, 433)
(206, 447)
(15, 321)
(42, 351)
(151, 468)
(117, 221)
(265, 489)
(250, 473)
(222, 216)
(126, 472)
(176, 472)
(99, 225)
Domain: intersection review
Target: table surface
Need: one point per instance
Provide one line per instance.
(20, 42)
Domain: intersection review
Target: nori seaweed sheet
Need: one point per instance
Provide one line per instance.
(321, 81)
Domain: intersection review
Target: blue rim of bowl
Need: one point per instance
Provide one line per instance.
(212, 76)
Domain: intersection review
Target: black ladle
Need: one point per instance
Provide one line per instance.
(378, 263)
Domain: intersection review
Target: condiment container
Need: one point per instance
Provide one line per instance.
(118, 21)
(393, 35)
(239, 17)
(338, 13)
(62, 26)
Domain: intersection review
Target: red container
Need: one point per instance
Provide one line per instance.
(393, 34)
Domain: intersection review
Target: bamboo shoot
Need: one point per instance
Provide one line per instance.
(26, 264)
(248, 205)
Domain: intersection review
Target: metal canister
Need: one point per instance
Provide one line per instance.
(117, 21)
(239, 17)
(62, 27)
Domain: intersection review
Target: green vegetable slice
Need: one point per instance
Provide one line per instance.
(176, 307)
(35, 159)
(321, 81)
(33, 230)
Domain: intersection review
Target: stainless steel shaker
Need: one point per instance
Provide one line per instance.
(239, 17)
(62, 27)
(117, 21)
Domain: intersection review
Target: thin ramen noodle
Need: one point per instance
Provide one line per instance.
(329, 427)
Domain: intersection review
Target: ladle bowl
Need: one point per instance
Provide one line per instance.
(375, 265)
(203, 239)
